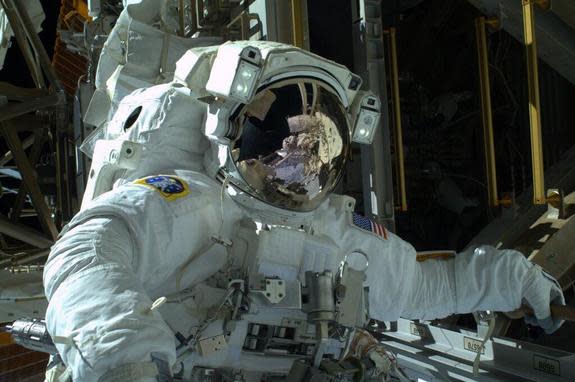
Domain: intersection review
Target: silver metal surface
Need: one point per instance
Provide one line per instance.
(318, 292)
(376, 160)
(438, 354)
(350, 298)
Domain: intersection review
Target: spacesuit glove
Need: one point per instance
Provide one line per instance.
(540, 290)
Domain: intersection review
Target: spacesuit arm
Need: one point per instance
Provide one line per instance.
(90, 270)
(482, 279)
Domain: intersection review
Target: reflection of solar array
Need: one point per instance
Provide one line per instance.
(294, 156)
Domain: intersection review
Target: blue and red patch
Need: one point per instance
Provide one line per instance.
(170, 187)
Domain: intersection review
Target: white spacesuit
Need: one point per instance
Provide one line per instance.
(210, 237)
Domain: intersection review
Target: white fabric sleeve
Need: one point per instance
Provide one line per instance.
(478, 279)
(98, 312)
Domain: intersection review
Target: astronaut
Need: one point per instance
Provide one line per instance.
(210, 239)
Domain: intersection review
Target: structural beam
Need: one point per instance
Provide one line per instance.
(181, 18)
(539, 196)
(297, 23)
(7, 157)
(23, 191)
(398, 130)
(376, 162)
(14, 110)
(15, 93)
(24, 234)
(194, 17)
(26, 258)
(29, 179)
(486, 113)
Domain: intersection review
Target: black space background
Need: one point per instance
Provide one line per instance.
(15, 70)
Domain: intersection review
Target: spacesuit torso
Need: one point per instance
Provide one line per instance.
(195, 246)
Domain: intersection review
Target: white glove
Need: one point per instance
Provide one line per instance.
(540, 290)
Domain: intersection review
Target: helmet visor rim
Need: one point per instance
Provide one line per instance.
(293, 140)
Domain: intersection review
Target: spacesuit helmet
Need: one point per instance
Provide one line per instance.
(292, 142)
(280, 121)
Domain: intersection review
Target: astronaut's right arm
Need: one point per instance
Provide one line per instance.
(99, 313)
(482, 278)
(478, 279)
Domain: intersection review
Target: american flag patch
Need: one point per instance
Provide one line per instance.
(368, 225)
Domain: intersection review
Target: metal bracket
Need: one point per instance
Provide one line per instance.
(273, 290)
(556, 204)
(213, 344)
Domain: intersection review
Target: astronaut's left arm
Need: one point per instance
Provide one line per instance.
(114, 259)
(99, 313)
